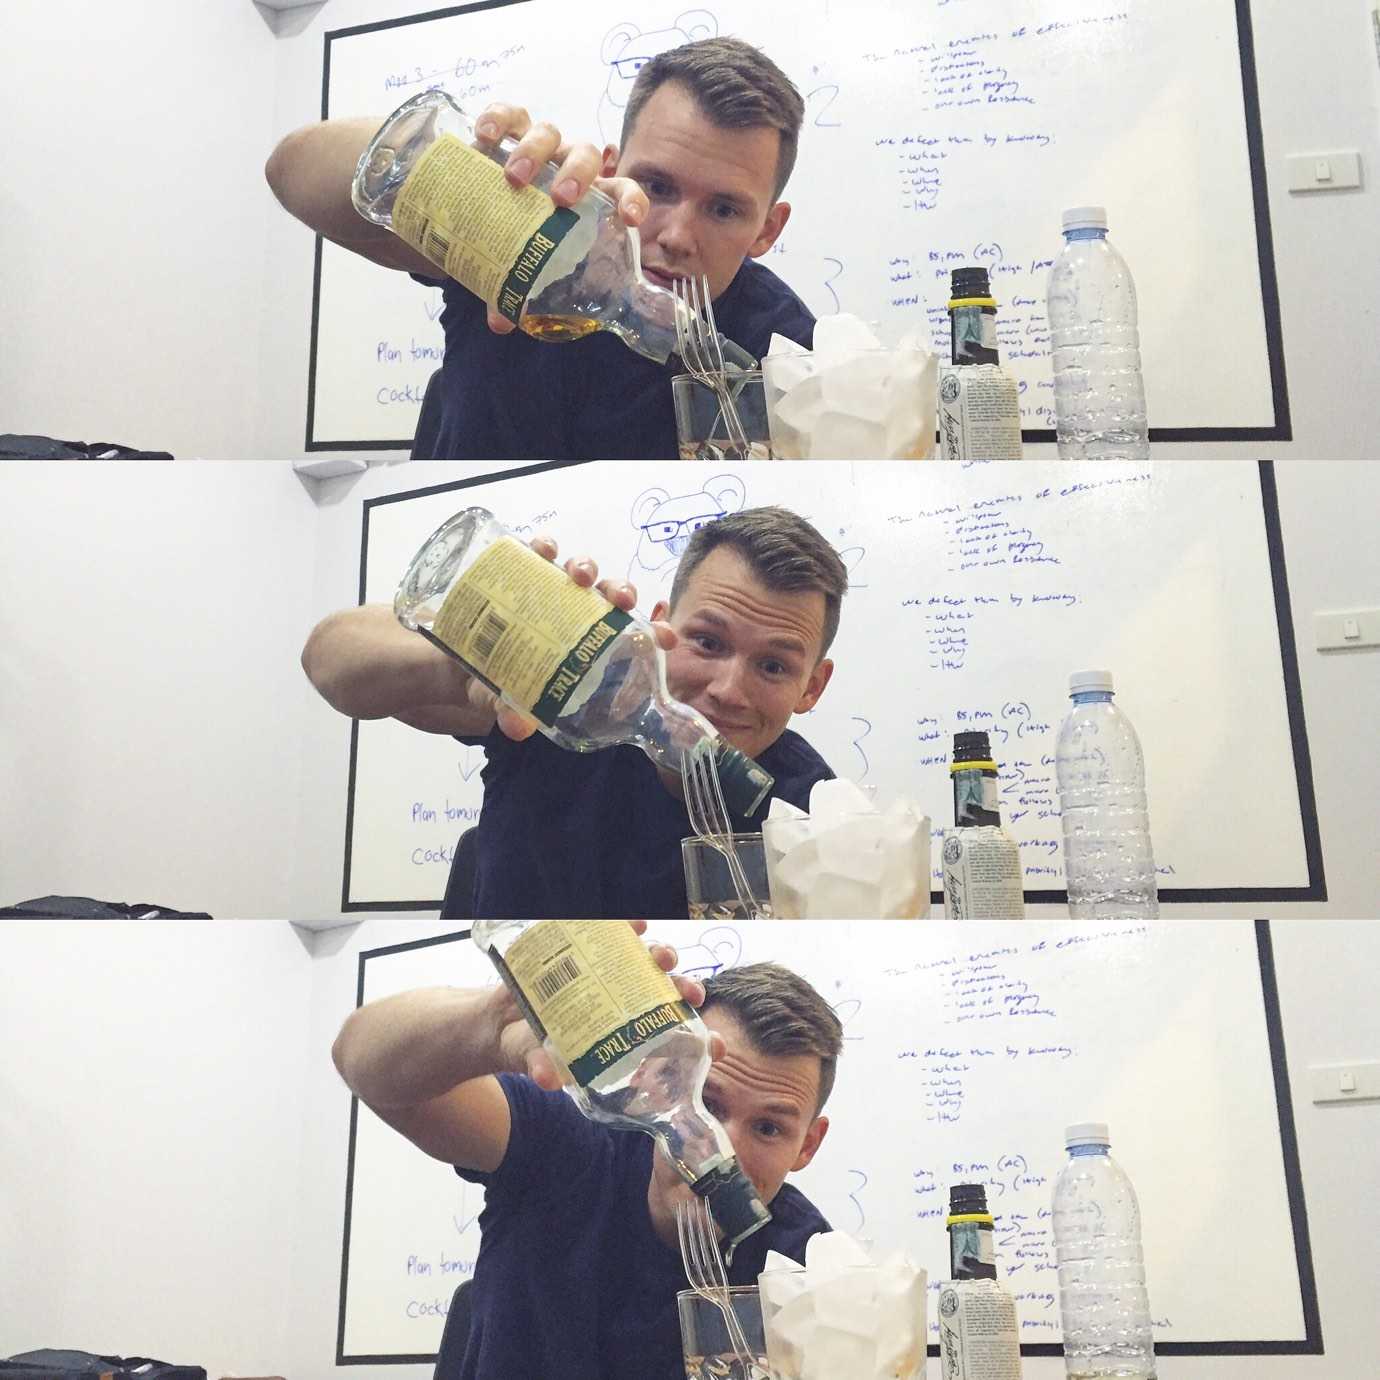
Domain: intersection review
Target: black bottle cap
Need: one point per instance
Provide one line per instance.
(972, 747)
(745, 782)
(734, 1203)
(969, 282)
(965, 1199)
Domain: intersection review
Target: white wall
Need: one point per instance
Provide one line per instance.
(152, 698)
(155, 294)
(176, 1162)
(151, 1133)
(135, 221)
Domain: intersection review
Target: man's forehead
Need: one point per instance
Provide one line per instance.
(783, 1082)
(725, 582)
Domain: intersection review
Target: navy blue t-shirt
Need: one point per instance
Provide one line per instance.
(572, 1282)
(597, 835)
(512, 397)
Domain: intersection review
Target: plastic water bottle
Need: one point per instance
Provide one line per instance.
(1099, 395)
(1109, 862)
(1103, 1305)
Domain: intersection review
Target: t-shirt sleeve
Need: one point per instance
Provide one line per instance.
(550, 1143)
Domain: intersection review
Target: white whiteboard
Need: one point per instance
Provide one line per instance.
(981, 1045)
(975, 591)
(956, 133)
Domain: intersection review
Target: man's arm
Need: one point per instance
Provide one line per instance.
(425, 1062)
(311, 173)
(364, 663)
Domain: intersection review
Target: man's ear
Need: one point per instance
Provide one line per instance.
(814, 1138)
(660, 610)
(814, 687)
(774, 224)
(610, 165)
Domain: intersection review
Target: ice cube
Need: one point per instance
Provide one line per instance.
(857, 386)
(847, 1302)
(843, 334)
(835, 1355)
(830, 1253)
(834, 798)
(837, 436)
(841, 898)
(783, 345)
(901, 1326)
(783, 809)
(801, 402)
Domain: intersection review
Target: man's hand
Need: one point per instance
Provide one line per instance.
(522, 1053)
(582, 166)
(585, 573)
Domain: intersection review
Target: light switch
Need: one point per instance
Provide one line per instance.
(1324, 172)
(1358, 1082)
(1351, 628)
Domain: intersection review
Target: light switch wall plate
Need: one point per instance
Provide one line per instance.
(1324, 172)
(1357, 628)
(1357, 1082)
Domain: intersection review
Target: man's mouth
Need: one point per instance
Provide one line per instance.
(659, 278)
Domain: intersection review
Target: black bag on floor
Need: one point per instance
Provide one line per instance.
(87, 908)
(14, 447)
(85, 1365)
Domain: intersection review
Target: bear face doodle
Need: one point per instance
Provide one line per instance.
(665, 523)
(626, 49)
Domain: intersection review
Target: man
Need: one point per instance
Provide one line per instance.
(753, 609)
(709, 139)
(578, 1264)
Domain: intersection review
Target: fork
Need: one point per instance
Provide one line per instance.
(697, 339)
(704, 1268)
(709, 818)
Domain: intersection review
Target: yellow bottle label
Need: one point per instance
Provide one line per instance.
(526, 627)
(456, 208)
(595, 989)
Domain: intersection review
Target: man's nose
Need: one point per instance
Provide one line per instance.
(729, 682)
(676, 233)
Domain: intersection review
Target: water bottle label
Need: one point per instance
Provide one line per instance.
(596, 991)
(456, 208)
(526, 627)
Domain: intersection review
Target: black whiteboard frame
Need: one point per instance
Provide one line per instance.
(1282, 428)
(1311, 1344)
(1314, 890)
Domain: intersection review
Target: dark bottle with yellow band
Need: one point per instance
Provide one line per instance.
(979, 1334)
(981, 861)
(979, 402)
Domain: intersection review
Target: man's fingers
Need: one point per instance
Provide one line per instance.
(630, 199)
(618, 592)
(498, 324)
(582, 570)
(666, 635)
(544, 546)
(717, 1047)
(542, 1071)
(692, 989)
(497, 120)
(579, 166)
(512, 724)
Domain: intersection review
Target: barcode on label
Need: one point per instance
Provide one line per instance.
(437, 245)
(488, 633)
(564, 970)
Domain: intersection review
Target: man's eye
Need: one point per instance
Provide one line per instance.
(768, 1130)
(774, 668)
(658, 187)
(725, 210)
(705, 641)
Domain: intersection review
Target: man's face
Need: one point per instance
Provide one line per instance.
(712, 190)
(766, 1103)
(748, 657)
